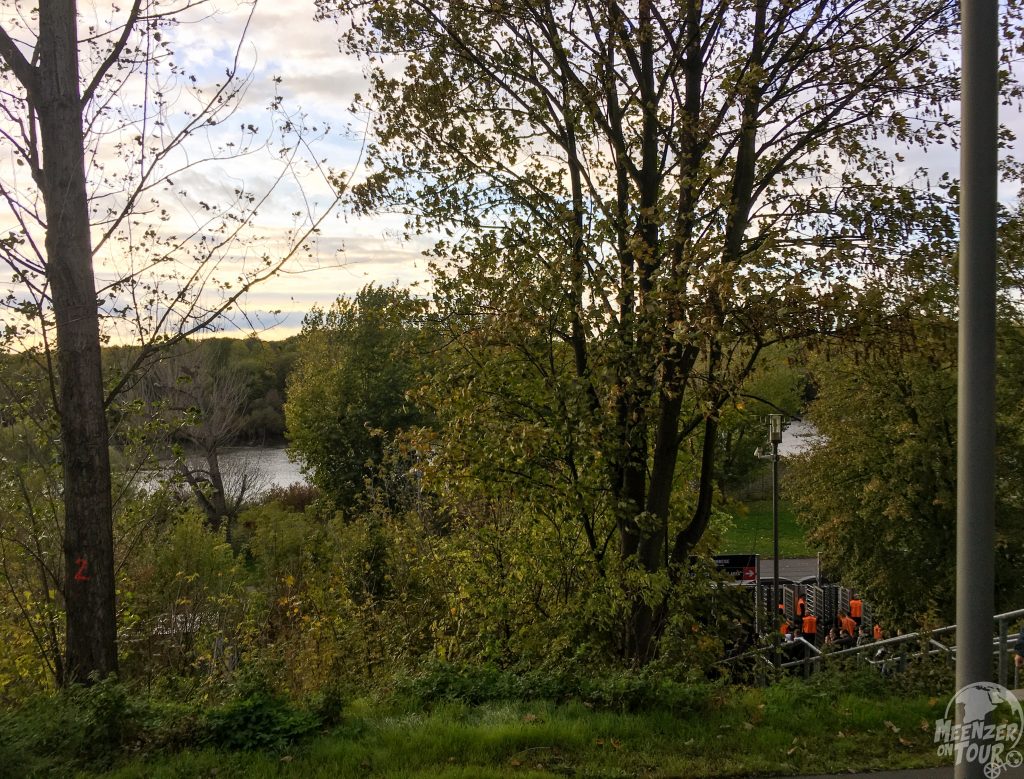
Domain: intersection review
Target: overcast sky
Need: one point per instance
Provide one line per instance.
(284, 41)
(288, 42)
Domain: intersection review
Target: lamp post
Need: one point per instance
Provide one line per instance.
(775, 438)
(976, 427)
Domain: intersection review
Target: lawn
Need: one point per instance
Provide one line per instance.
(785, 729)
(752, 531)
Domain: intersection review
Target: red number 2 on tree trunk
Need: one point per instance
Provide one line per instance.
(80, 574)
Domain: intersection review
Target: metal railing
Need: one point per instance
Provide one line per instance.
(815, 656)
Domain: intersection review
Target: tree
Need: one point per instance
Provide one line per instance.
(201, 400)
(639, 200)
(878, 491)
(347, 395)
(101, 158)
(777, 385)
(52, 90)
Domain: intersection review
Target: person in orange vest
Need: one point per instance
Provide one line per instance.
(809, 628)
(856, 609)
(847, 623)
(801, 607)
(878, 632)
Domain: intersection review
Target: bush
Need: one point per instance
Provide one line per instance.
(262, 720)
(90, 728)
(80, 726)
(296, 497)
(621, 691)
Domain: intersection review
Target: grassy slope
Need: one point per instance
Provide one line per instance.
(752, 531)
(785, 729)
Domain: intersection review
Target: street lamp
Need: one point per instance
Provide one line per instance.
(775, 438)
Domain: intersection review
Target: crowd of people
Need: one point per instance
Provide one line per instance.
(848, 630)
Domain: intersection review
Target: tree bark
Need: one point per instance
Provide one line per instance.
(88, 536)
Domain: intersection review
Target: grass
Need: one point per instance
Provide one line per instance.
(786, 729)
(752, 531)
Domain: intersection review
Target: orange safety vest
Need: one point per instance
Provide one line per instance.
(801, 606)
(810, 626)
(878, 632)
(856, 609)
(849, 625)
(784, 628)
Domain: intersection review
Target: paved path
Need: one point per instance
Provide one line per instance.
(794, 568)
(914, 773)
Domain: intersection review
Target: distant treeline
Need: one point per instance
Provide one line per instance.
(258, 369)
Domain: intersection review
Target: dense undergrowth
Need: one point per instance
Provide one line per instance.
(445, 717)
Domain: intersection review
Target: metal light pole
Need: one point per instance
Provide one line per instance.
(775, 438)
(975, 507)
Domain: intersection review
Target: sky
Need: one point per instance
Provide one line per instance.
(284, 52)
(288, 53)
(283, 41)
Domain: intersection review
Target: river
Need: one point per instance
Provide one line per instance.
(265, 467)
(268, 466)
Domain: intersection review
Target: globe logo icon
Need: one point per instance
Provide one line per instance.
(991, 722)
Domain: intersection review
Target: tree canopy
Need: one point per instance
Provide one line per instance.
(348, 393)
(878, 492)
(638, 200)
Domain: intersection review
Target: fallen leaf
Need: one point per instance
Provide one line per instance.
(514, 763)
(791, 751)
(906, 742)
(892, 726)
(287, 759)
(840, 734)
(616, 743)
(599, 742)
(926, 726)
(531, 718)
(932, 701)
(748, 725)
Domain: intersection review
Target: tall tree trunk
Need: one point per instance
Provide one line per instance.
(88, 535)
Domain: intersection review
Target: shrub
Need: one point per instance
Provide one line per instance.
(90, 728)
(262, 720)
(296, 497)
(622, 691)
(80, 726)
